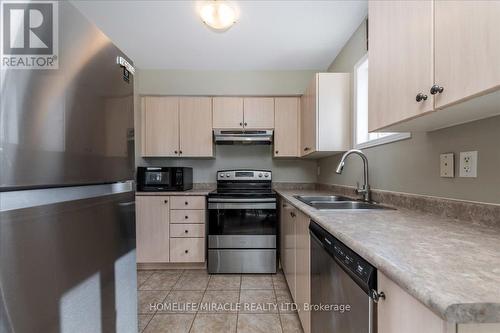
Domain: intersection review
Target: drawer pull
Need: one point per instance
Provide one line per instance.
(186, 203)
(186, 231)
(166, 201)
(186, 251)
(186, 217)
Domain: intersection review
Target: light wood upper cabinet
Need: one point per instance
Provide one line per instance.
(325, 115)
(467, 49)
(160, 126)
(308, 112)
(286, 126)
(152, 216)
(400, 61)
(227, 112)
(195, 114)
(258, 112)
(425, 47)
(400, 312)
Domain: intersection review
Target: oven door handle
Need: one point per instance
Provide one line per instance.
(241, 205)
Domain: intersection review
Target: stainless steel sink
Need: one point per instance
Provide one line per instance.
(333, 202)
(355, 205)
(309, 199)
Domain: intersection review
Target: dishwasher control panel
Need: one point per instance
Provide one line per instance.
(352, 261)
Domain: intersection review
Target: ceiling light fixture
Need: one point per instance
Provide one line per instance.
(218, 14)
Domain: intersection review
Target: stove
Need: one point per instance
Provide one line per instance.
(242, 224)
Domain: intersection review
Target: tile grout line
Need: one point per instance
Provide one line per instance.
(239, 302)
(168, 293)
(201, 300)
(279, 311)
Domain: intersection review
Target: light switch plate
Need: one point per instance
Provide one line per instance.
(447, 169)
(468, 164)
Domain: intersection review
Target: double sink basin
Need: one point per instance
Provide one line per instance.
(333, 202)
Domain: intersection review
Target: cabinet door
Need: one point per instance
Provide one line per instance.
(152, 228)
(195, 121)
(160, 126)
(308, 119)
(400, 312)
(258, 112)
(400, 61)
(227, 112)
(288, 252)
(286, 126)
(303, 269)
(467, 49)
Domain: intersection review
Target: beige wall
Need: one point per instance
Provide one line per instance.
(412, 165)
(176, 82)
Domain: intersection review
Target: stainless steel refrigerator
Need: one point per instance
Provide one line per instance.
(67, 215)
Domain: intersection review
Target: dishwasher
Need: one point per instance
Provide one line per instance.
(343, 287)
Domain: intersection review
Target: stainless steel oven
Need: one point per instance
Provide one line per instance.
(242, 223)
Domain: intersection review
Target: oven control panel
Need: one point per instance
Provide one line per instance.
(244, 175)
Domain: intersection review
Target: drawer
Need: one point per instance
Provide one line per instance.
(187, 249)
(187, 202)
(187, 230)
(187, 216)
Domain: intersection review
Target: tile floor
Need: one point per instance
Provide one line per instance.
(195, 301)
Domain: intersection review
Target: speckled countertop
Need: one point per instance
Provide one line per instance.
(188, 192)
(451, 266)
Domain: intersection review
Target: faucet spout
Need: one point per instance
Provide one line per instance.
(365, 190)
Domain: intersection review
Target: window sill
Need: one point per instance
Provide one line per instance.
(383, 141)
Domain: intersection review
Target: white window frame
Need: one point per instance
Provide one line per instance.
(373, 142)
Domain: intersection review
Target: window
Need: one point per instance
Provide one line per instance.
(362, 138)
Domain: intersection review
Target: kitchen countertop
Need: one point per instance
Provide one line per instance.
(451, 266)
(167, 193)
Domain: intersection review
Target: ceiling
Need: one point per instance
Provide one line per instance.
(269, 35)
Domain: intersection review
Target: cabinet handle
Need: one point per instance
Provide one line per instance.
(246, 124)
(284, 205)
(420, 97)
(377, 296)
(306, 148)
(180, 151)
(241, 124)
(165, 201)
(435, 89)
(186, 203)
(292, 214)
(186, 217)
(277, 152)
(186, 231)
(175, 152)
(186, 251)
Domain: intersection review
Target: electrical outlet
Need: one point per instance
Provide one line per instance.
(447, 169)
(468, 164)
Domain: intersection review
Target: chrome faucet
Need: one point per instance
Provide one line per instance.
(365, 190)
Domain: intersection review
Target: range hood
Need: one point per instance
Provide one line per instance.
(245, 137)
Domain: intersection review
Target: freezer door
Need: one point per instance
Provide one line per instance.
(67, 260)
(72, 125)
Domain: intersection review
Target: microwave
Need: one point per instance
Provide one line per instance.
(157, 179)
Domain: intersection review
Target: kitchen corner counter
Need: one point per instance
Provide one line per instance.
(193, 192)
(451, 266)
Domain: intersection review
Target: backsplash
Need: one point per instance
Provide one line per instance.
(242, 157)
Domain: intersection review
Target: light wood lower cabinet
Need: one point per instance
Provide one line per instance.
(152, 228)
(400, 312)
(295, 259)
(166, 233)
(187, 249)
(288, 245)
